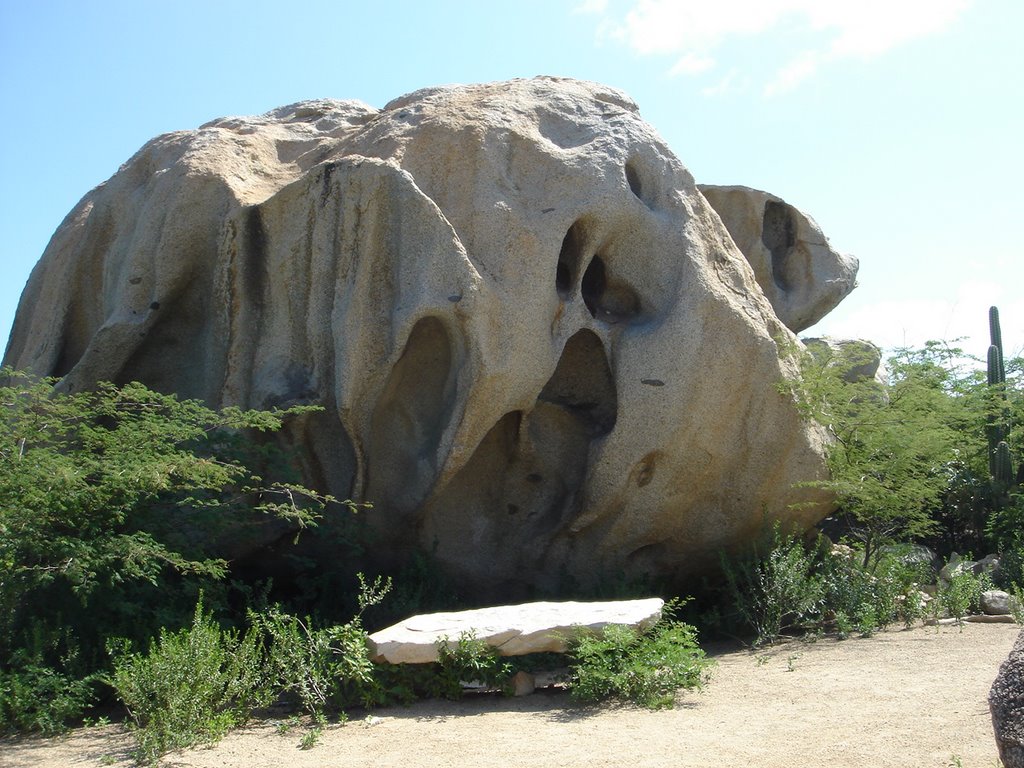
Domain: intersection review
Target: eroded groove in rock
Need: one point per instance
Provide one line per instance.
(582, 384)
(280, 280)
(569, 259)
(779, 236)
(610, 300)
(409, 419)
(633, 179)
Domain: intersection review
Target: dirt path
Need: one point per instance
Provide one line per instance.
(913, 699)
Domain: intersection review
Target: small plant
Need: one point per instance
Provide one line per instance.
(326, 668)
(311, 737)
(791, 662)
(961, 595)
(469, 659)
(191, 687)
(646, 668)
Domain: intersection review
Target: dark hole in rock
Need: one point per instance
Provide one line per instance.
(778, 233)
(569, 260)
(607, 300)
(633, 179)
(155, 305)
(582, 384)
(410, 416)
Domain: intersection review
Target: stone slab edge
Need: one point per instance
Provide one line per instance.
(515, 630)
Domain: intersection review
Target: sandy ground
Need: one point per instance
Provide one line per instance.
(911, 698)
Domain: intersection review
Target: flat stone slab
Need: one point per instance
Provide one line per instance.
(515, 630)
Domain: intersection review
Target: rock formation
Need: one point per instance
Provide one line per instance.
(794, 264)
(514, 630)
(541, 354)
(1006, 702)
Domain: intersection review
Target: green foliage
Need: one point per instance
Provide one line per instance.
(646, 668)
(113, 506)
(856, 599)
(191, 686)
(961, 594)
(37, 697)
(772, 587)
(469, 659)
(891, 445)
(784, 586)
(325, 668)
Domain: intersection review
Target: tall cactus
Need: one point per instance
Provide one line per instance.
(1000, 462)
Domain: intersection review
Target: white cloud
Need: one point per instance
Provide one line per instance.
(591, 7)
(794, 73)
(726, 85)
(692, 30)
(692, 64)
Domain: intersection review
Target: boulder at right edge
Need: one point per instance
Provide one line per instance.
(1006, 702)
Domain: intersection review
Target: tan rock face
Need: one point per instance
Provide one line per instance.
(799, 272)
(541, 354)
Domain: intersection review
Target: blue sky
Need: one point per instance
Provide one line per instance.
(897, 124)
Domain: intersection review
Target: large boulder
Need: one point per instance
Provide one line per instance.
(1006, 702)
(541, 354)
(796, 267)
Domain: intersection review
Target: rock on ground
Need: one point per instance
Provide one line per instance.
(514, 630)
(541, 353)
(1006, 702)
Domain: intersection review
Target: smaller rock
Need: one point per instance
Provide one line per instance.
(515, 630)
(1006, 702)
(523, 683)
(996, 602)
(988, 564)
(982, 618)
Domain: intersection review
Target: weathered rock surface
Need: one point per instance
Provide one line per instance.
(799, 272)
(542, 356)
(1006, 702)
(996, 602)
(861, 359)
(515, 630)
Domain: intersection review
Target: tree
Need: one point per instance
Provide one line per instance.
(892, 443)
(110, 505)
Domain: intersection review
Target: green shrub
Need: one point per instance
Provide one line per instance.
(325, 668)
(774, 588)
(36, 697)
(646, 668)
(862, 599)
(191, 686)
(469, 659)
(112, 504)
(961, 594)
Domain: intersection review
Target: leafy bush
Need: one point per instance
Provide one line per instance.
(773, 588)
(782, 585)
(961, 594)
(646, 668)
(36, 697)
(860, 599)
(325, 668)
(112, 506)
(191, 686)
(469, 659)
